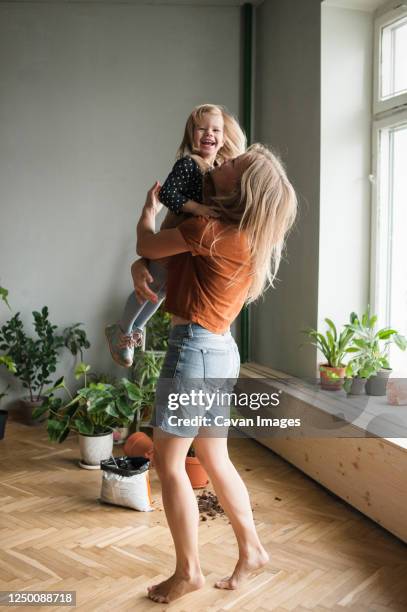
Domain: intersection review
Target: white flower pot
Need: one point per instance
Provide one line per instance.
(95, 449)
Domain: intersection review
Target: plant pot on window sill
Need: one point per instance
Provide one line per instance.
(331, 377)
(358, 386)
(377, 384)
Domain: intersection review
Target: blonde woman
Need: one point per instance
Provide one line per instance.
(216, 265)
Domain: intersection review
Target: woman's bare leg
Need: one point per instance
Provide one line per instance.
(234, 498)
(182, 514)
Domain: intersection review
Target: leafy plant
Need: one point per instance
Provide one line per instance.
(96, 408)
(332, 345)
(33, 361)
(158, 330)
(4, 296)
(5, 359)
(145, 372)
(75, 339)
(369, 346)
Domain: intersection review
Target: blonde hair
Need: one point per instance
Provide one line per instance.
(264, 206)
(233, 135)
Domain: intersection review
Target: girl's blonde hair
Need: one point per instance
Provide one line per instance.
(234, 137)
(264, 206)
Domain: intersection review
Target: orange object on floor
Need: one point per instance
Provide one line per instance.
(139, 444)
(196, 472)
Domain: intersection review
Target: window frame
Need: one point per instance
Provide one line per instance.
(378, 294)
(387, 114)
(390, 16)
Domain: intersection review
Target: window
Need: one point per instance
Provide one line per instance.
(389, 218)
(390, 82)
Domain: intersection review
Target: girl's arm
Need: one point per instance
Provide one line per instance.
(157, 245)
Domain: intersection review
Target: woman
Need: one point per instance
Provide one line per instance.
(215, 266)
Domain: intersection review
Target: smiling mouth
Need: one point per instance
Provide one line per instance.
(208, 143)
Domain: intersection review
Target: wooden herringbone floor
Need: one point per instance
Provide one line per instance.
(55, 535)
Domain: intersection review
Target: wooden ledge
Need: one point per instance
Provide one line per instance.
(366, 472)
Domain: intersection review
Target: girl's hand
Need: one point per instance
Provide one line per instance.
(153, 205)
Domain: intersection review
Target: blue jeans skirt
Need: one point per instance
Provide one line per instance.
(195, 387)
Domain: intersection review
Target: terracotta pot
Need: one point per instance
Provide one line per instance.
(196, 472)
(331, 384)
(139, 444)
(397, 392)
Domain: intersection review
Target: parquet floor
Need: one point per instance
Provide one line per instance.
(55, 535)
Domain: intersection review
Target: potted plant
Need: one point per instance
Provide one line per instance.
(34, 360)
(357, 373)
(371, 347)
(196, 472)
(93, 412)
(334, 347)
(145, 372)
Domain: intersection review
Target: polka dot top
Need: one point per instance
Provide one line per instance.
(182, 184)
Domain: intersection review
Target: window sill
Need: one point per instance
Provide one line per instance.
(366, 471)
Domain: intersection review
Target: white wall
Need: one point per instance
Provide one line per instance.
(94, 99)
(346, 89)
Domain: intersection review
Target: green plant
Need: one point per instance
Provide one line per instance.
(145, 372)
(332, 345)
(6, 359)
(96, 408)
(75, 339)
(4, 296)
(32, 361)
(158, 330)
(371, 346)
(35, 360)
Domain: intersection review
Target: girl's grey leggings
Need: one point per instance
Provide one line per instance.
(136, 315)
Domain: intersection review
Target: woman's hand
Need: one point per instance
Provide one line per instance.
(153, 205)
(141, 279)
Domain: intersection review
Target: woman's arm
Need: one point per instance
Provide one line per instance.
(157, 245)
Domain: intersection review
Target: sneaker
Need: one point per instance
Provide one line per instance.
(122, 345)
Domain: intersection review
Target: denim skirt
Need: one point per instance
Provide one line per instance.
(195, 387)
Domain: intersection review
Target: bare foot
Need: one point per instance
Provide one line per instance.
(174, 587)
(245, 565)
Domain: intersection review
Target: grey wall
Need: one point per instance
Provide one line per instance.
(94, 98)
(288, 119)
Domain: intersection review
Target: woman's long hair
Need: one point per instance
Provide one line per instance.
(234, 137)
(264, 206)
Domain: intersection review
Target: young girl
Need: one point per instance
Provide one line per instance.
(212, 136)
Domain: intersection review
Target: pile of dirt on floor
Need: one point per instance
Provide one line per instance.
(209, 506)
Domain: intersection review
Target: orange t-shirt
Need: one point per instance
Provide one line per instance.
(207, 286)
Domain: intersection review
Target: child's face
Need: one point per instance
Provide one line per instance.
(208, 136)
